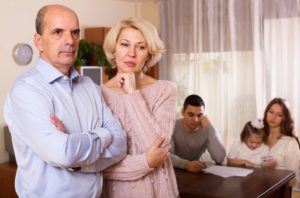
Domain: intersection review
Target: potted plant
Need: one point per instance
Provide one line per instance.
(92, 54)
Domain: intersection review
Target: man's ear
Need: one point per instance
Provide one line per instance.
(38, 42)
(182, 112)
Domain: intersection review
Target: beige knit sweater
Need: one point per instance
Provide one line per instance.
(145, 115)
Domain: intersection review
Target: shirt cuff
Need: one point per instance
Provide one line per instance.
(104, 135)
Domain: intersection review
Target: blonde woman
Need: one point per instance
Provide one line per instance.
(146, 109)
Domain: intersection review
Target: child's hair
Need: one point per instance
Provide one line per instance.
(250, 129)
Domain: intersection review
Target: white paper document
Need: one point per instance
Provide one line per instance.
(225, 171)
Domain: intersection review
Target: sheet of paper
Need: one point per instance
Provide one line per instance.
(225, 171)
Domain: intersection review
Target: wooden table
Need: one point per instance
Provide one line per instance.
(262, 182)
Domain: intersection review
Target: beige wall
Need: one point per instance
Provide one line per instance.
(17, 25)
(148, 11)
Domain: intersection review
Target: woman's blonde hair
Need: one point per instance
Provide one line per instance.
(154, 43)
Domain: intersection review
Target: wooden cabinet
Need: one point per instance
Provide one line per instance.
(97, 34)
(7, 180)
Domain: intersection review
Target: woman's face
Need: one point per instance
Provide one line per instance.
(131, 51)
(275, 116)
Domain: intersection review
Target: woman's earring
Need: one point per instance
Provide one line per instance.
(145, 68)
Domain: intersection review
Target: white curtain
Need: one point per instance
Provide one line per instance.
(236, 54)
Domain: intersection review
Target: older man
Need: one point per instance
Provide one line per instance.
(52, 163)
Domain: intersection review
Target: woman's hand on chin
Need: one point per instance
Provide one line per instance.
(127, 82)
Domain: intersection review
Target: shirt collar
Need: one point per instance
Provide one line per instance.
(51, 74)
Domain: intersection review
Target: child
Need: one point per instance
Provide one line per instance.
(250, 150)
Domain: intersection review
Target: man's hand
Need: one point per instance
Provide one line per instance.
(204, 121)
(157, 154)
(195, 166)
(57, 123)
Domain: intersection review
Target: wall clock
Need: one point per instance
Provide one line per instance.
(22, 53)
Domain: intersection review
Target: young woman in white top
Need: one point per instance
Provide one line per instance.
(250, 150)
(280, 136)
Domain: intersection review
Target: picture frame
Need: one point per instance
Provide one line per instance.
(94, 72)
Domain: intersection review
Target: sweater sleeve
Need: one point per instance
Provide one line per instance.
(133, 167)
(215, 147)
(150, 123)
(177, 161)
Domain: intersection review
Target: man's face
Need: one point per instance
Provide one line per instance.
(192, 116)
(58, 43)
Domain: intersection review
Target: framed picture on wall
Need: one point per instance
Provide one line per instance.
(94, 72)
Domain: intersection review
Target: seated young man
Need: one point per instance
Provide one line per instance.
(193, 134)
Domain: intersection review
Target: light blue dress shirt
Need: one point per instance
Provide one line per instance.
(45, 156)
